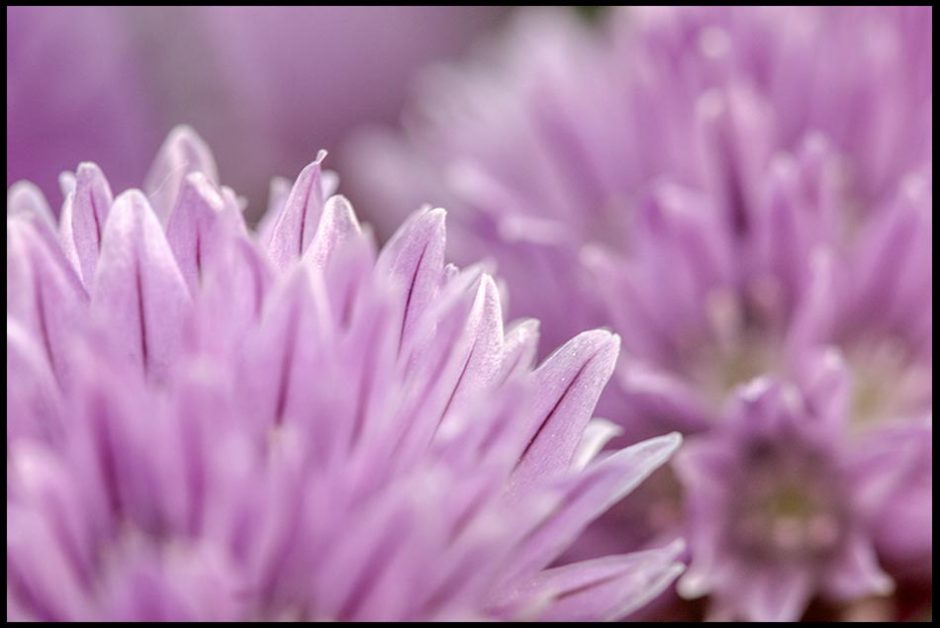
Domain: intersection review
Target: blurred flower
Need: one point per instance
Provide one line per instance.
(778, 505)
(736, 191)
(208, 424)
(705, 311)
(267, 85)
(552, 137)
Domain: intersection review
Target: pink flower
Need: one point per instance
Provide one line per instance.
(208, 424)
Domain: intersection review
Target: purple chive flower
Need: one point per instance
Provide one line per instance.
(778, 503)
(208, 424)
(268, 84)
(555, 138)
(735, 191)
(705, 311)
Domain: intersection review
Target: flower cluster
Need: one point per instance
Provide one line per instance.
(205, 423)
(744, 195)
(209, 421)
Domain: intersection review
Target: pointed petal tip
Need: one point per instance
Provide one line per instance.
(88, 171)
(435, 217)
(488, 298)
(671, 574)
(693, 585)
(181, 153)
(338, 220)
(615, 337)
(593, 336)
(672, 441)
(308, 170)
(24, 198)
(23, 188)
(184, 133)
(438, 218)
(883, 584)
(88, 174)
(340, 203)
(90, 179)
(487, 284)
(755, 389)
(529, 325)
(340, 213)
(602, 341)
(66, 183)
(597, 349)
(675, 548)
(308, 180)
(651, 453)
(437, 213)
(131, 204)
(133, 198)
(185, 143)
(422, 228)
(313, 167)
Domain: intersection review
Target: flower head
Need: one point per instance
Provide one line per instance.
(209, 424)
(779, 505)
(558, 141)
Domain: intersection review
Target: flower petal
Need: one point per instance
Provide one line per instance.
(856, 572)
(338, 223)
(236, 280)
(198, 226)
(583, 498)
(283, 352)
(414, 258)
(297, 222)
(604, 589)
(597, 434)
(84, 215)
(139, 295)
(772, 595)
(33, 398)
(182, 153)
(568, 385)
(24, 198)
(520, 346)
(43, 292)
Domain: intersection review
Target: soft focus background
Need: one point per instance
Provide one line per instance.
(266, 87)
(536, 104)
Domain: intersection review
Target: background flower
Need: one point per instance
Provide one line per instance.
(550, 139)
(778, 505)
